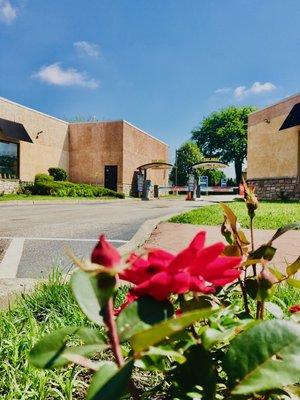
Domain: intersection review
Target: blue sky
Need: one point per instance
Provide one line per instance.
(161, 64)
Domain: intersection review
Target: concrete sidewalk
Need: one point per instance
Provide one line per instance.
(174, 237)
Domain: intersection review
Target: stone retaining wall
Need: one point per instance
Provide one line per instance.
(277, 188)
(9, 185)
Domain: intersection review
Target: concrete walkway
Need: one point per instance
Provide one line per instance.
(174, 237)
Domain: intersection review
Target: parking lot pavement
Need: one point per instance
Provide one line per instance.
(38, 233)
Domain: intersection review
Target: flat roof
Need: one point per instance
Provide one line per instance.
(285, 99)
(281, 108)
(83, 122)
(31, 109)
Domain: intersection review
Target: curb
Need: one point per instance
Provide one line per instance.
(143, 234)
(60, 202)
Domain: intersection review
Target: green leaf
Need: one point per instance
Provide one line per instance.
(49, 351)
(276, 273)
(230, 216)
(197, 303)
(142, 314)
(159, 359)
(109, 383)
(242, 238)
(283, 230)
(250, 262)
(265, 357)
(141, 341)
(294, 267)
(265, 289)
(87, 295)
(212, 337)
(198, 370)
(91, 335)
(265, 251)
(293, 282)
(106, 284)
(160, 351)
(274, 309)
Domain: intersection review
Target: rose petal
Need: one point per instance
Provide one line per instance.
(198, 284)
(222, 267)
(180, 282)
(159, 287)
(198, 242)
(160, 257)
(205, 257)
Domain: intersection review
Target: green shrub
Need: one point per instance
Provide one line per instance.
(43, 177)
(59, 174)
(68, 189)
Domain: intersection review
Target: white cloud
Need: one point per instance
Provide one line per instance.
(54, 74)
(257, 88)
(7, 11)
(223, 90)
(86, 48)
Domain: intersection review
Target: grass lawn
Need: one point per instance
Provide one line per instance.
(269, 215)
(49, 307)
(14, 197)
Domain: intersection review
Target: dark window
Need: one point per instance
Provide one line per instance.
(9, 160)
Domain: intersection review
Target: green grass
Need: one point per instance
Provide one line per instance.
(49, 307)
(269, 215)
(14, 197)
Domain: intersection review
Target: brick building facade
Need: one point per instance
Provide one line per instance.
(105, 153)
(273, 161)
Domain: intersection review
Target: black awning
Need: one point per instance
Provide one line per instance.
(293, 119)
(14, 130)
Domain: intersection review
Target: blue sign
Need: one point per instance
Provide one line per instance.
(140, 182)
(223, 183)
(203, 182)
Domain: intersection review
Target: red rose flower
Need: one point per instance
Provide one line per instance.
(105, 254)
(294, 309)
(143, 269)
(196, 268)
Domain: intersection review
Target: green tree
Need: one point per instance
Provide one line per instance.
(187, 155)
(223, 134)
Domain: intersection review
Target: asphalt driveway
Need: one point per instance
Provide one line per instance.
(37, 233)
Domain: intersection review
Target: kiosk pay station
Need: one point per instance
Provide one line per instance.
(145, 187)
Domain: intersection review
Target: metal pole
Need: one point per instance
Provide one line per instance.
(176, 156)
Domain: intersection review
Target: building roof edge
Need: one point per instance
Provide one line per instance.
(276, 103)
(32, 109)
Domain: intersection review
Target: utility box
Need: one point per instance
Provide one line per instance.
(147, 190)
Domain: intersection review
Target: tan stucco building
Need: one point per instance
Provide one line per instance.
(273, 161)
(105, 153)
